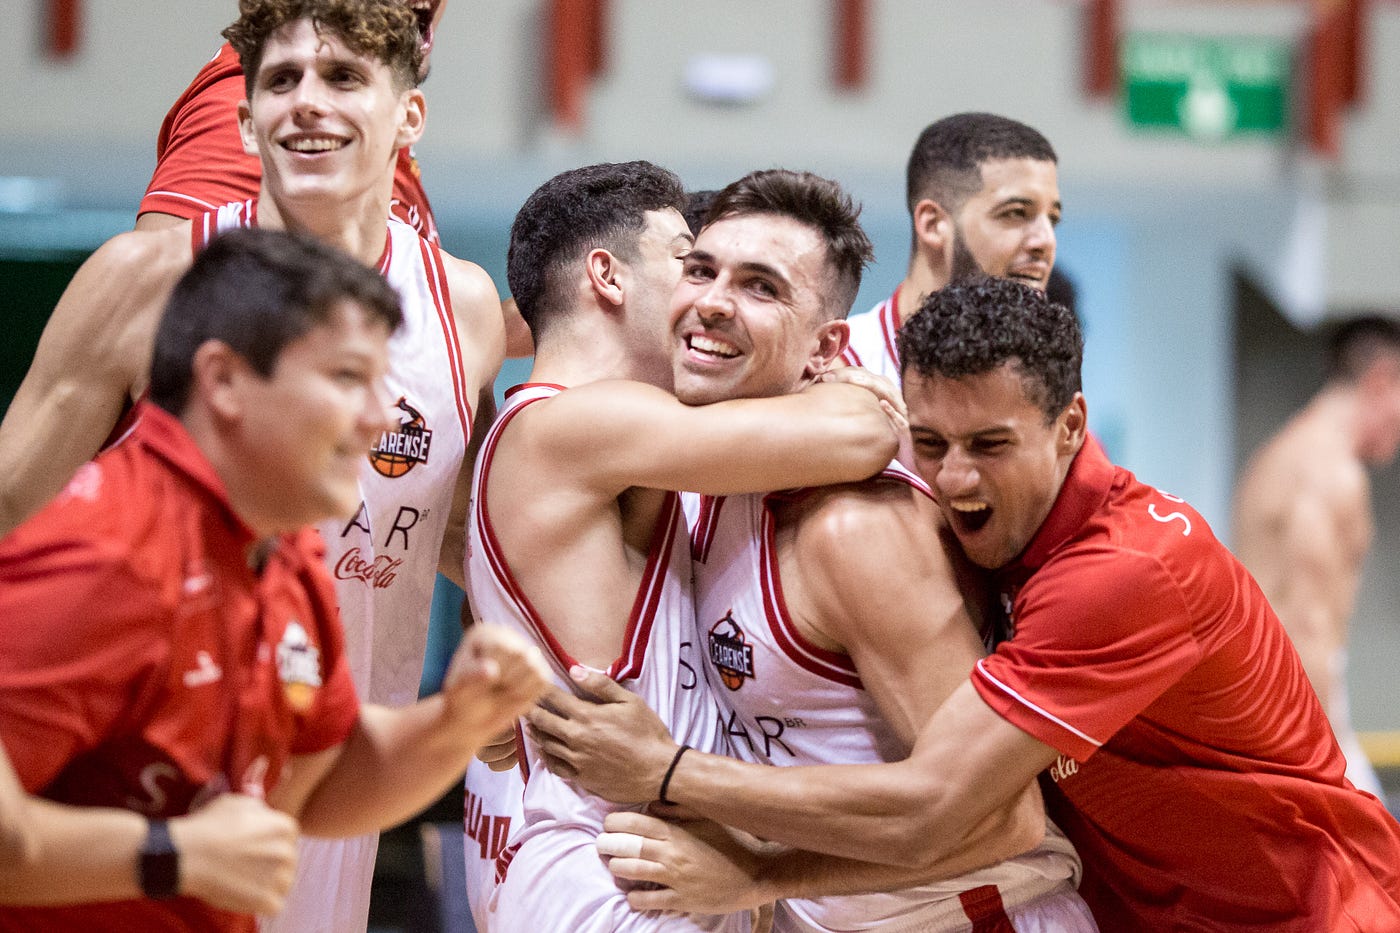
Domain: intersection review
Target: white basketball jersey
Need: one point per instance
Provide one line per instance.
(873, 339)
(385, 557)
(787, 701)
(551, 878)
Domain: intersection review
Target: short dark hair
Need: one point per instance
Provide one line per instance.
(817, 202)
(697, 208)
(385, 30)
(975, 325)
(946, 162)
(597, 206)
(1354, 344)
(257, 291)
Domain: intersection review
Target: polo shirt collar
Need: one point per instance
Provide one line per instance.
(165, 436)
(1083, 493)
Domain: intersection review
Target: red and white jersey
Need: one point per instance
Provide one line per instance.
(786, 701)
(200, 162)
(385, 557)
(552, 848)
(873, 336)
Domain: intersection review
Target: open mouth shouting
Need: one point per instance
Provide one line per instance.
(969, 516)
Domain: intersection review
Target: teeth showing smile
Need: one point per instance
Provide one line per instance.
(706, 345)
(968, 506)
(316, 144)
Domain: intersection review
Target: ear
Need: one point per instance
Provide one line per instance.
(604, 276)
(832, 338)
(1073, 426)
(933, 227)
(217, 373)
(245, 128)
(414, 117)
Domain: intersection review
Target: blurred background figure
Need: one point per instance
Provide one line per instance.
(1303, 512)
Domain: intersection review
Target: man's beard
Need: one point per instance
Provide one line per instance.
(964, 264)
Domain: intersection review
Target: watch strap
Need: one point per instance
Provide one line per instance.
(159, 869)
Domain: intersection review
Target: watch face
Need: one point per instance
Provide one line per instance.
(160, 863)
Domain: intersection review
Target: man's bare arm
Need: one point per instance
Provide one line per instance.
(94, 352)
(397, 761)
(967, 763)
(481, 336)
(827, 433)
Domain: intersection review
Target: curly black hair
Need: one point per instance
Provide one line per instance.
(602, 205)
(975, 325)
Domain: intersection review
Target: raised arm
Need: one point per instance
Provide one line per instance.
(93, 355)
(397, 761)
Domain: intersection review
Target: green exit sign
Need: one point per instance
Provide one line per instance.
(1207, 88)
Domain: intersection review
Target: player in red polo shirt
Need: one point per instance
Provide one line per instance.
(1143, 677)
(170, 628)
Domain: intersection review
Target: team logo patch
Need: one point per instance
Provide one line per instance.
(298, 667)
(731, 655)
(400, 450)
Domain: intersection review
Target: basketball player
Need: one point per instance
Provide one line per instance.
(574, 538)
(201, 163)
(170, 628)
(1183, 751)
(830, 621)
(1303, 515)
(983, 196)
(327, 114)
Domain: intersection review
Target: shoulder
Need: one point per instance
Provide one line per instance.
(873, 524)
(473, 291)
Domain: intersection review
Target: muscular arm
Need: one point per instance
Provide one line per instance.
(94, 352)
(397, 761)
(827, 433)
(481, 334)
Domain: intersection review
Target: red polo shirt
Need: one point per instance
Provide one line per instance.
(1198, 776)
(201, 165)
(147, 665)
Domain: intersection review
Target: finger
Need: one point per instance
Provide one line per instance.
(597, 685)
(637, 869)
(501, 765)
(636, 824)
(559, 766)
(544, 718)
(653, 899)
(620, 845)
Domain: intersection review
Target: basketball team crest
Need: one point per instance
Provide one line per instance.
(730, 652)
(403, 448)
(298, 667)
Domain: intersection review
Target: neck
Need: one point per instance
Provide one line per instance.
(355, 226)
(922, 278)
(574, 355)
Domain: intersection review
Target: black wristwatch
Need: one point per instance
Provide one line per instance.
(159, 866)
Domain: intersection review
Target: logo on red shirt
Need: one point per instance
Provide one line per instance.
(400, 450)
(299, 667)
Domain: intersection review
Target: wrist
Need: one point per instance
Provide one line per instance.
(669, 776)
(158, 863)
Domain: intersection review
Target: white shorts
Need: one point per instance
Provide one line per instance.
(1059, 910)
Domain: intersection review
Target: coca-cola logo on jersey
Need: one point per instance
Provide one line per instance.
(379, 573)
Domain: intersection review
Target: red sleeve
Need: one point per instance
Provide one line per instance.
(82, 635)
(1099, 636)
(200, 162)
(336, 709)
